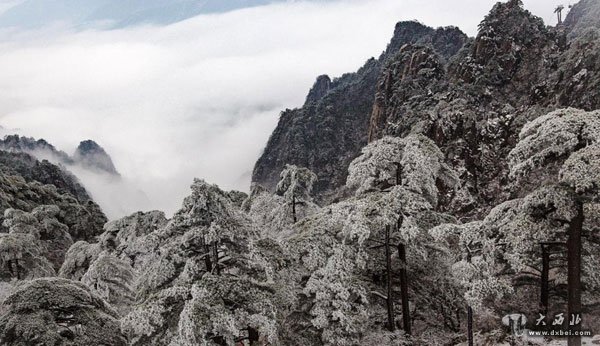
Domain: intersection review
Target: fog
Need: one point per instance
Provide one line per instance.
(198, 98)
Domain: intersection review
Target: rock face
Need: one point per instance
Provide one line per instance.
(332, 126)
(471, 97)
(91, 155)
(582, 16)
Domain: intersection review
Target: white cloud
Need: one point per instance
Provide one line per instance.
(198, 98)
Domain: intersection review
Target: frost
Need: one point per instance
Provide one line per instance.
(415, 161)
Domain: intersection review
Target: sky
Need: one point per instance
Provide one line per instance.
(197, 95)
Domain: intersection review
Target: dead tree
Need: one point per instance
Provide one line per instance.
(558, 10)
(547, 248)
(389, 296)
(388, 266)
(469, 311)
(574, 272)
(294, 208)
(404, 290)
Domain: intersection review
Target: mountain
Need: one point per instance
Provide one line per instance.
(88, 154)
(453, 198)
(471, 96)
(92, 156)
(27, 184)
(582, 16)
(329, 131)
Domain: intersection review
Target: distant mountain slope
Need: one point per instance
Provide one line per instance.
(26, 184)
(88, 154)
(31, 169)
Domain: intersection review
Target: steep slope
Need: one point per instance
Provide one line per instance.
(471, 96)
(85, 220)
(583, 15)
(515, 70)
(332, 126)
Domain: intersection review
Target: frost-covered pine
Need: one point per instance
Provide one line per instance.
(569, 137)
(475, 266)
(273, 214)
(21, 258)
(296, 182)
(553, 136)
(112, 279)
(78, 260)
(414, 162)
(206, 283)
(35, 245)
(55, 311)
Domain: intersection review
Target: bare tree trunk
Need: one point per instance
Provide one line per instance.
(574, 273)
(253, 336)
(17, 269)
(294, 208)
(215, 251)
(398, 174)
(207, 260)
(390, 298)
(404, 290)
(470, 325)
(544, 284)
(469, 314)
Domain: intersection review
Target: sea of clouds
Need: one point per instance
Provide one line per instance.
(198, 98)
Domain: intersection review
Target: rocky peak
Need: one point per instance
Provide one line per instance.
(91, 155)
(405, 33)
(319, 89)
(511, 48)
(583, 15)
(445, 41)
(414, 74)
(327, 133)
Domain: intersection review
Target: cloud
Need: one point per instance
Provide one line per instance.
(198, 98)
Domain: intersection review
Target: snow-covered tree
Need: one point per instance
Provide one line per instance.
(564, 135)
(54, 311)
(112, 279)
(201, 286)
(78, 260)
(52, 237)
(414, 162)
(274, 214)
(553, 137)
(21, 258)
(35, 245)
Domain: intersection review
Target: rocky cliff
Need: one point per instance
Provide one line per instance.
(472, 96)
(329, 130)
